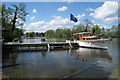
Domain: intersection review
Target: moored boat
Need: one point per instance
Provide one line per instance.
(86, 39)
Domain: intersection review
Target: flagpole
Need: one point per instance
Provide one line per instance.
(70, 30)
(72, 18)
(70, 26)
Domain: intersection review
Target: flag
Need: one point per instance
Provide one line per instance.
(72, 18)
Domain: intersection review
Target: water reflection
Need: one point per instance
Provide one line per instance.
(43, 54)
(99, 61)
(85, 54)
(82, 54)
(9, 59)
(87, 63)
(13, 58)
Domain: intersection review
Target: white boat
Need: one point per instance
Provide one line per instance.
(86, 39)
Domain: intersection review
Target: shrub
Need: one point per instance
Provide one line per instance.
(42, 39)
(70, 39)
(15, 39)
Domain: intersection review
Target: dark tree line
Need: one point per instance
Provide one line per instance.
(60, 33)
(86, 26)
(34, 34)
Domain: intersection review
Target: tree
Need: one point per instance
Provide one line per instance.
(6, 25)
(87, 24)
(59, 33)
(16, 15)
(4, 18)
(31, 34)
(49, 33)
(93, 30)
(11, 18)
(113, 28)
(41, 34)
(96, 30)
(26, 34)
(67, 33)
(117, 33)
(103, 31)
(79, 29)
(37, 34)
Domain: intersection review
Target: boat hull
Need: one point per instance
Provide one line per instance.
(92, 43)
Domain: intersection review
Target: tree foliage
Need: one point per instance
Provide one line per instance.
(16, 15)
(114, 31)
(97, 30)
(87, 24)
(11, 19)
(34, 34)
(49, 33)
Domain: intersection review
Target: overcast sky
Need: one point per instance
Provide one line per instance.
(52, 15)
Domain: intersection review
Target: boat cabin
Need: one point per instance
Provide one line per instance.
(84, 36)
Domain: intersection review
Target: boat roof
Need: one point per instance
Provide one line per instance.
(83, 33)
(90, 37)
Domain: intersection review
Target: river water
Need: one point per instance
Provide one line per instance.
(69, 63)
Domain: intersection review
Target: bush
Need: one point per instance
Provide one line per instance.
(70, 39)
(15, 39)
(42, 39)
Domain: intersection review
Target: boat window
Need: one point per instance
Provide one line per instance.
(85, 35)
(80, 35)
(76, 36)
(90, 34)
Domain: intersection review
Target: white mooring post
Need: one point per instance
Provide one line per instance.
(48, 46)
(70, 44)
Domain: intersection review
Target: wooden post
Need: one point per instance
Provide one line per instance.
(29, 46)
(36, 46)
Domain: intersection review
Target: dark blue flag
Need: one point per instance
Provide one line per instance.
(72, 18)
